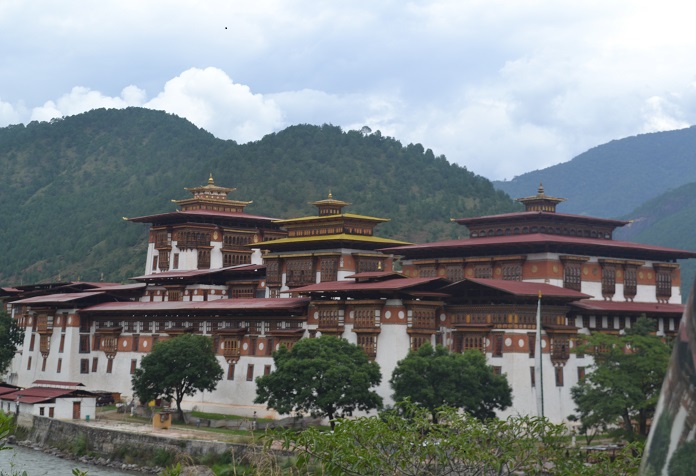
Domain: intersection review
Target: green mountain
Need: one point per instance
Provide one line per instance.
(667, 220)
(68, 183)
(613, 179)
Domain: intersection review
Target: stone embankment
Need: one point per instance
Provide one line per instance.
(105, 438)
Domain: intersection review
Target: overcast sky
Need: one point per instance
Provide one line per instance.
(501, 87)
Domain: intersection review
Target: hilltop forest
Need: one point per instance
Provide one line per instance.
(68, 183)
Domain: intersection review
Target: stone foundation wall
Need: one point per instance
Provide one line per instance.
(48, 432)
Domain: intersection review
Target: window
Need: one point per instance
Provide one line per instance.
(109, 366)
(300, 272)
(531, 340)
(250, 373)
(84, 366)
(31, 343)
(95, 364)
(608, 281)
(230, 372)
(29, 363)
(532, 376)
(497, 370)
(630, 282)
(133, 366)
(483, 271)
(175, 264)
(663, 284)
(154, 262)
(51, 412)
(498, 345)
(61, 346)
(560, 348)
(329, 269)
(252, 346)
(136, 342)
(418, 340)
(454, 273)
(84, 343)
(204, 259)
(41, 411)
(581, 374)
(572, 275)
(59, 366)
(266, 369)
(559, 376)
(43, 364)
(512, 272)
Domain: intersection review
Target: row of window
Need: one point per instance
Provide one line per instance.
(581, 232)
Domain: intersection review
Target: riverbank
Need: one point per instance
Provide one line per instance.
(129, 446)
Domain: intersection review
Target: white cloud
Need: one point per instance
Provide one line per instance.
(211, 100)
(81, 99)
(500, 87)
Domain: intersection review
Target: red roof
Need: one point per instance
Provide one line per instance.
(389, 285)
(550, 215)
(376, 275)
(525, 288)
(217, 304)
(632, 307)
(206, 213)
(474, 245)
(57, 298)
(57, 383)
(41, 394)
(197, 272)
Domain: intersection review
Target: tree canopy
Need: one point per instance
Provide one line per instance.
(625, 380)
(437, 377)
(326, 377)
(391, 444)
(11, 336)
(177, 367)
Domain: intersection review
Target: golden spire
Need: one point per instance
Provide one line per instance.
(210, 180)
(540, 190)
(330, 194)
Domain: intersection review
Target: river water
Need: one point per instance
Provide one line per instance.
(38, 463)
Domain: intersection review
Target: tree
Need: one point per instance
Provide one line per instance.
(437, 377)
(625, 380)
(326, 376)
(11, 336)
(177, 367)
(460, 444)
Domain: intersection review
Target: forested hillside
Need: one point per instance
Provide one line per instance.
(68, 183)
(668, 220)
(613, 179)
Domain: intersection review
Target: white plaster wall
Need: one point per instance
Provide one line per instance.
(148, 261)
(216, 260)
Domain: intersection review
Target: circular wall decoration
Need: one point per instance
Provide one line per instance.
(508, 342)
(245, 346)
(443, 317)
(125, 344)
(401, 314)
(261, 346)
(520, 343)
(145, 344)
(387, 314)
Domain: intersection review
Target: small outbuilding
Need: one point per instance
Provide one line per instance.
(52, 399)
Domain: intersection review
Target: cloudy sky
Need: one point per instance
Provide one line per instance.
(501, 87)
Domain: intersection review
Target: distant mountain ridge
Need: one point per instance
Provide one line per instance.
(68, 182)
(613, 179)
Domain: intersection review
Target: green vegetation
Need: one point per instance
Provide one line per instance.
(177, 367)
(433, 378)
(326, 377)
(457, 444)
(11, 336)
(68, 183)
(625, 381)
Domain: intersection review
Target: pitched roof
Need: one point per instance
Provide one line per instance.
(522, 288)
(199, 213)
(535, 241)
(214, 305)
(629, 307)
(58, 298)
(197, 273)
(388, 285)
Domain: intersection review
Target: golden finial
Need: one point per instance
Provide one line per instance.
(210, 180)
(540, 190)
(379, 266)
(330, 194)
